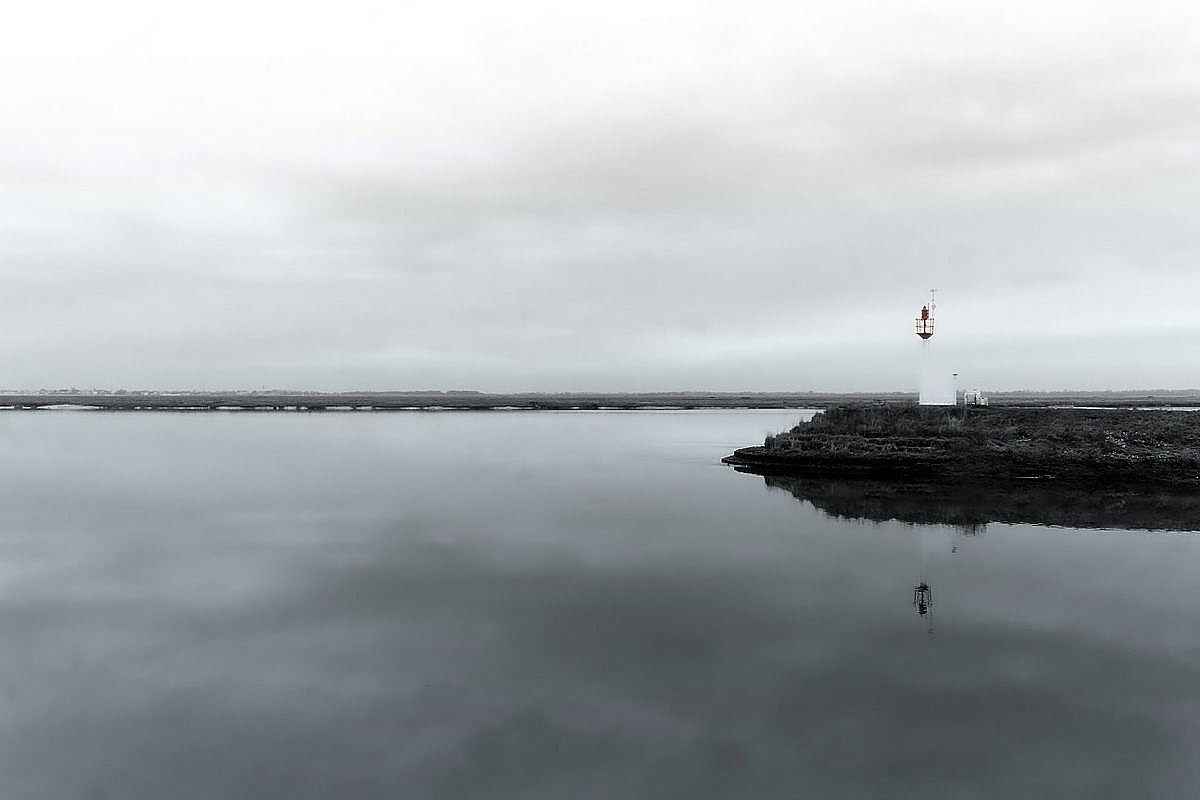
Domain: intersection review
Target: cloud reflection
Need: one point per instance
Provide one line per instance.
(371, 617)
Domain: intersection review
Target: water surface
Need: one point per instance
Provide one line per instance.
(553, 605)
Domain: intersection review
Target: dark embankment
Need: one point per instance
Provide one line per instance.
(973, 505)
(954, 445)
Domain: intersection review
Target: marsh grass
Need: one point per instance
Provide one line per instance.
(1152, 444)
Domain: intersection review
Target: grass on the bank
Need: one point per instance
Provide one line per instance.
(1078, 433)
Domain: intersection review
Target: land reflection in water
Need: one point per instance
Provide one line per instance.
(971, 506)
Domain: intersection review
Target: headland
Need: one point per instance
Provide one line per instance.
(1126, 446)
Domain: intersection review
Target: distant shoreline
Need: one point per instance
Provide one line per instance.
(538, 401)
(415, 401)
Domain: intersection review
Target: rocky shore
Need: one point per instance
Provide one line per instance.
(959, 444)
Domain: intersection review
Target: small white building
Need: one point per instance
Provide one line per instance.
(974, 397)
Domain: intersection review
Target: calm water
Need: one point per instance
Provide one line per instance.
(553, 605)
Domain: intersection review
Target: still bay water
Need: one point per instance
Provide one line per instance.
(554, 605)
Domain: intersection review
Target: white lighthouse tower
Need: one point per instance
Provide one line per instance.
(937, 385)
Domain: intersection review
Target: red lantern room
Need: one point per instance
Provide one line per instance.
(925, 323)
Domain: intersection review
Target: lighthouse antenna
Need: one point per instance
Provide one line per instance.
(932, 297)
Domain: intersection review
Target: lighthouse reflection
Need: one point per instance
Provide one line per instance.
(970, 507)
(923, 598)
(923, 602)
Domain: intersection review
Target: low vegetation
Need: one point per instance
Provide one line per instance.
(1120, 444)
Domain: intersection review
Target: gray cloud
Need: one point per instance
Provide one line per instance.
(551, 198)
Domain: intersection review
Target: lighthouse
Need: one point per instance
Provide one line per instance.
(925, 320)
(937, 385)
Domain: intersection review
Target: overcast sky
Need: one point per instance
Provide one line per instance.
(586, 196)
